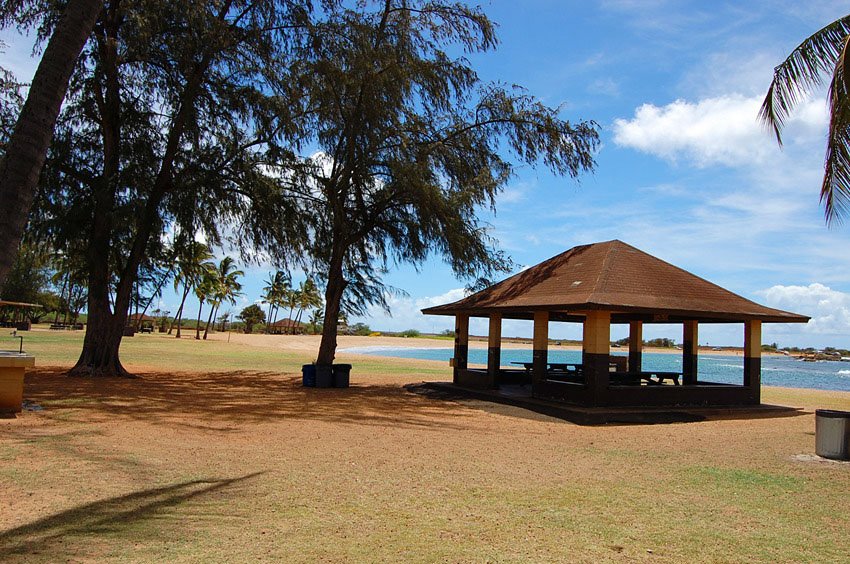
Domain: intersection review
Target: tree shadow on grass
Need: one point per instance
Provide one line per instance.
(102, 518)
(222, 401)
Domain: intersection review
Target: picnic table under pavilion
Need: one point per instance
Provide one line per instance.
(599, 285)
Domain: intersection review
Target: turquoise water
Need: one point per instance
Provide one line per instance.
(775, 370)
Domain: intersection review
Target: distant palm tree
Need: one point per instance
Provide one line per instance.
(317, 318)
(192, 262)
(827, 52)
(275, 292)
(227, 287)
(307, 296)
(290, 300)
(204, 289)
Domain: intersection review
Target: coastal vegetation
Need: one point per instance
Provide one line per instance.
(336, 139)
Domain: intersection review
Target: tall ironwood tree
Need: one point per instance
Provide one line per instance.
(169, 111)
(412, 146)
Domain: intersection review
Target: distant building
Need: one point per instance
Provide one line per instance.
(287, 326)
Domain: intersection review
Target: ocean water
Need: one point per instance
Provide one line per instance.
(775, 370)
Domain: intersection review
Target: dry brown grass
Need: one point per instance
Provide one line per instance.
(187, 465)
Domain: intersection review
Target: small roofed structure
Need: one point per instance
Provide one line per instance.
(141, 322)
(15, 314)
(598, 285)
(287, 326)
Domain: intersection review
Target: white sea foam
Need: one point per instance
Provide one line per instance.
(844, 372)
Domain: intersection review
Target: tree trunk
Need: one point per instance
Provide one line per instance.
(209, 320)
(27, 147)
(275, 309)
(296, 321)
(102, 232)
(100, 348)
(333, 302)
(65, 280)
(157, 291)
(67, 313)
(105, 327)
(178, 317)
(198, 323)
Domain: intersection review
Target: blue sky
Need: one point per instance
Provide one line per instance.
(684, 172)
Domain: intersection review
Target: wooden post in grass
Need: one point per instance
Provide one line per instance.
(596, 350)
(540, 347)
(461, 355)
(494, 349)
(690, 347)
(635, 346)
(752, 359)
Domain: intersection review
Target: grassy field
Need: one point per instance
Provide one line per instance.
(217, 454)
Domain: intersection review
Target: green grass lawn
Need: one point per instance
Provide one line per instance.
(217, 454)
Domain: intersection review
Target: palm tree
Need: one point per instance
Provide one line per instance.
(191, 266)
(227, 287)
(307, 296)
(827, 52)
(206, 287)
(290, 300)
(275, 292)
(317, 318)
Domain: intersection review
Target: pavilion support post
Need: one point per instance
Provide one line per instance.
(596, 350)
(635, 346)
(494, 349)
(690, 348)
(540, 354)
(461, 355)
(752, 359)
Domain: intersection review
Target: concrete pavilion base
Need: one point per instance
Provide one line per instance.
(12, 367)
(520, 396)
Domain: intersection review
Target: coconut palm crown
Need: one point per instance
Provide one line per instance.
(823, 54)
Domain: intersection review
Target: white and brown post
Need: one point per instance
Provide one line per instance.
(540, 347)
(752, 359)
(461, 356)
(494, 350)
(596, 350)
(635, 346)
(690, 351)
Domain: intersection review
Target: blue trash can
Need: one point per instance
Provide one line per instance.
(324, 376)
(342, 374)
(308, 375)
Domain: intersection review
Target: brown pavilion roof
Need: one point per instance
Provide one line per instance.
(616, 277)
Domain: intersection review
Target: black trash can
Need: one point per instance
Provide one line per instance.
(308, 375)
(832, 434)
(324, 376)
(342, 373)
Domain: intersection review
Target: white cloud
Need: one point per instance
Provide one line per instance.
(828, 308)
(407, 314)
(721, 130)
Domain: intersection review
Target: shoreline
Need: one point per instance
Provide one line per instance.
(311, 343)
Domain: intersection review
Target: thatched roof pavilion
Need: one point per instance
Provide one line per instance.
(605, 283)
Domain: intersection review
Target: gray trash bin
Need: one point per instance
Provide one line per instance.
(832, 434)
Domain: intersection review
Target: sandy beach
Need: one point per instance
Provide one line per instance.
(306, 343)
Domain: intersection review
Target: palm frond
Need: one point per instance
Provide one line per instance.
(835, 191)
(803, 70)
